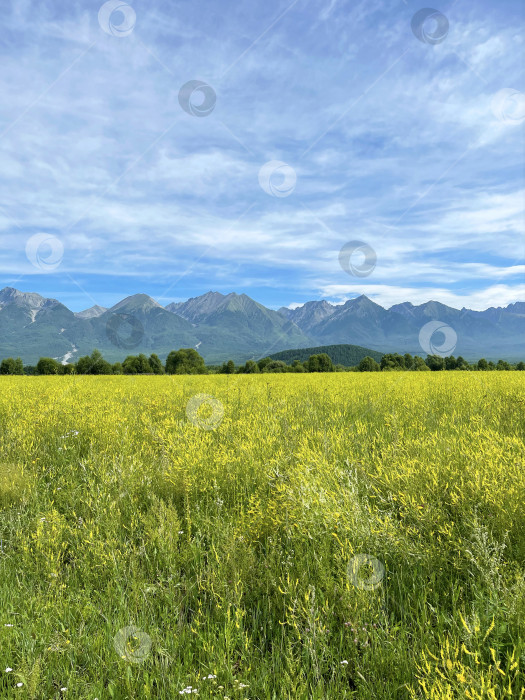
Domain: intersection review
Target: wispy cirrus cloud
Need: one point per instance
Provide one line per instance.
(393, 141)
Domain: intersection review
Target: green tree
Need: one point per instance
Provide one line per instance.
(93, 364)
(185, 361)
(228, 367)
(143, 364)
(130, 365)
(11, 366)
(520, 366)
(68, 368)
(117, 368)
(399, 361)
(137, 364)
(156, 364)
(408, 360)
(83, 365)
(502, 365)
(276, 366)
(483, 365)
(312, 364)
(264, 362)
(298, 366)
(250, 367)
(450, 362)
(387, 361)
(419, 364)
(99, 364)
(392, 362)
(7, 366)
(319, 363)
(47, 365)
(462, 364)
(435, 363)
(368, 364)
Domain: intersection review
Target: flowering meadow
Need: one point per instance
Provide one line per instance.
(289, 536)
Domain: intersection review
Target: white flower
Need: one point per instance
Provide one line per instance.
(344, 662)
(8, 670)
(70, 433)
(62, 689)
(19, 685)
(8, 625)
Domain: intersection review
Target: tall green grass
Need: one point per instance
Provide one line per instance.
(144, 551)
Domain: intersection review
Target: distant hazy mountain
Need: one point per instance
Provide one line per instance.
(238, 324)
(93, 312)
(310, 314)
(223, 326)
(363, 322)
(196, 308)
(493, 333)
(31, 325)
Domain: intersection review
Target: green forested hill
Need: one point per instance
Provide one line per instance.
(346, 355)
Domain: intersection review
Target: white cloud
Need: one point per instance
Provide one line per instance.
(86, 162)
(387, 296)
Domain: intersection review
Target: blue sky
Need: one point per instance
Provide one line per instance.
(413, 148)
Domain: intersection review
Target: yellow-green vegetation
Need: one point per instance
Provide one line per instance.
(311, 536)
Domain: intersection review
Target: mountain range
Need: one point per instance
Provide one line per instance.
(224, 326)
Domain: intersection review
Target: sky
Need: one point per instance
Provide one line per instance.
(291, 150)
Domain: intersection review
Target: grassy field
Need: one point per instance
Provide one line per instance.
(299, 536)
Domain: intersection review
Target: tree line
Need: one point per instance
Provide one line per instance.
(397, 362)
(189, 361)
